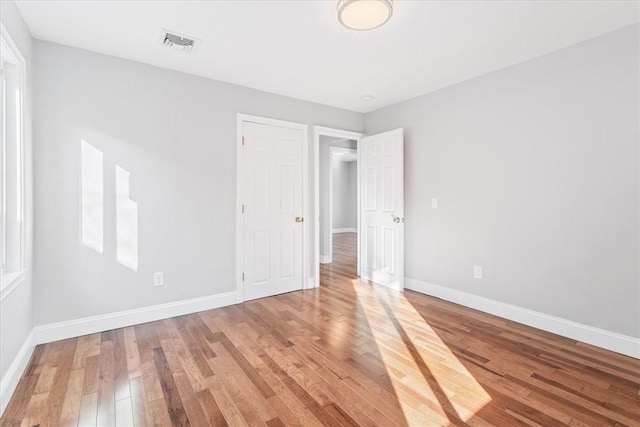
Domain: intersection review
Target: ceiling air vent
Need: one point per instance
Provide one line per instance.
(178, 42)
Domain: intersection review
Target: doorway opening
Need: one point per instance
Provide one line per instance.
(380, 205)
(337, 202)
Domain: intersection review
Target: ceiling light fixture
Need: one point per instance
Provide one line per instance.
(337, 153)
(362, 15)
(367, 98)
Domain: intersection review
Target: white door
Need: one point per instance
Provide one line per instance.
(381, 230)
(272, 203)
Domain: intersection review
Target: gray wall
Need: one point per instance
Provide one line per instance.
(344, 204)
(353, 194)
(176, 136)
(16, 307)
(536, 170)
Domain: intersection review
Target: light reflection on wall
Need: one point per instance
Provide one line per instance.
(126, 222)
(92, 208)
(92, 197)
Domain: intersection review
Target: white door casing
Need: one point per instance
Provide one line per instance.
(272, 205)
(381, 227)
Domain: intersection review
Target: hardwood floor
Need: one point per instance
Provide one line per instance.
(348, 353)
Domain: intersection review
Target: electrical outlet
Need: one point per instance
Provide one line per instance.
(434, 203)
(158, 279)
(477, 272)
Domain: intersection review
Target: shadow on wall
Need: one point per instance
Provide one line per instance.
(92, 208)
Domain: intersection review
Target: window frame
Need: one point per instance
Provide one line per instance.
(9, 280)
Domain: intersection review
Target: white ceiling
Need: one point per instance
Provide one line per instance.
(298, 48)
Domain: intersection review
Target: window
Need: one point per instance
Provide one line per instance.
(12, 227)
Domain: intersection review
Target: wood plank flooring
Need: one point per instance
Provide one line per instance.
(346, 354)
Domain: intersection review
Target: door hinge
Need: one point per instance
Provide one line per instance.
(243, 141)
(243, 277)
(243, 208)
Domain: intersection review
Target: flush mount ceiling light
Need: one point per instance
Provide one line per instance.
(361, 15)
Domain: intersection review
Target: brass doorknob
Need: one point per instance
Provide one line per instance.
(299, 219)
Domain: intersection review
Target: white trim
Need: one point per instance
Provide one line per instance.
(344, 230)
(337, 133)
(305, 202)
(13, 48)
(11, 378)
(121, 319)
(329, 204)
(241, 118)
(239, 181)
(10, 281)
(325, 259)
(613, 341)
(14, 55)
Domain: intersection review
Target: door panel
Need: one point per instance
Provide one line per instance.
(260, 256)
(382, 209)
(272, 189)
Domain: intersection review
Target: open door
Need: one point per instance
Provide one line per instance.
(381, 228)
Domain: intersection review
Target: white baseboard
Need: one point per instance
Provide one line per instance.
(121, 319)
(613, 341)
(12, 376)
(344, 230)
(311, 283)
(325, 259)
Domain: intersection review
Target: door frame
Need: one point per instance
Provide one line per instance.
(240, 119)
(319, 131)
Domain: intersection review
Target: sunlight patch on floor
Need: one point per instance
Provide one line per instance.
(408, 344)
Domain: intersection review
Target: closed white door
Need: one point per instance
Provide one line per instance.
(272, 202)
(381, 230)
